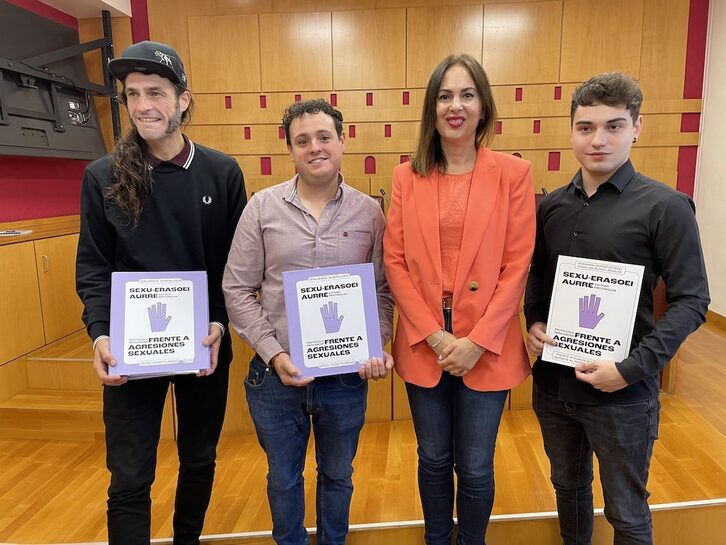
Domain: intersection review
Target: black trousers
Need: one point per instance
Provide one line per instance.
(132, 414)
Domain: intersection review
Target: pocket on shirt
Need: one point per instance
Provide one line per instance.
(354, 246)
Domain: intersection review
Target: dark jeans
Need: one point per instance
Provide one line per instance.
(456, 430)
(622, 437)
(282, 415)
(132, 414)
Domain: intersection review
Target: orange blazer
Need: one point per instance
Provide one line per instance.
(496, 249)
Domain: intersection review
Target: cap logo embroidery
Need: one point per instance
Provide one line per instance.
(207, 199)
(163, 57)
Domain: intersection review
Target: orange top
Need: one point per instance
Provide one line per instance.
(453, 198)
(494, 256)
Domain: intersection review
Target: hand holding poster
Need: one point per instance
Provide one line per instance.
(158, 322)
(332, 318)
(592, 312)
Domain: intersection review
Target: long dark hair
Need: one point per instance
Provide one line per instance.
(130, 174)
(428, 152)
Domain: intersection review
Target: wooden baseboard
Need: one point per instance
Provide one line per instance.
(716, 320)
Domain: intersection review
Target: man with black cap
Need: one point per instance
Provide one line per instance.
(158, 202)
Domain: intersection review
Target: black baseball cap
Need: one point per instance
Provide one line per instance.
(149, 58)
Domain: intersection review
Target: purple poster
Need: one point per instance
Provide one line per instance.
(332, 318)
(158, 322)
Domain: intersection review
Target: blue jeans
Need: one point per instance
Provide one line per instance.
(282, 415)
(622, 437)
(456, 430)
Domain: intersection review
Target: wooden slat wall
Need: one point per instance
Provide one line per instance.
(260, 56)
(286, 51)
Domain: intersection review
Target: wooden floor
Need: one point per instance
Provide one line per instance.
(54, 491)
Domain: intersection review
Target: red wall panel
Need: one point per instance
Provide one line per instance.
(39, 188)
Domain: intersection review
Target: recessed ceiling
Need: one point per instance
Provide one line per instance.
(81, 9)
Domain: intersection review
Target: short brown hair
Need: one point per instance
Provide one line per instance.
(610, 89)
(299, 109)
(428, 149)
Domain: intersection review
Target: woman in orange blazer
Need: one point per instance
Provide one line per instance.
(457, 249)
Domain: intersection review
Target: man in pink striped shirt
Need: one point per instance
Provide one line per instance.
(312, 220)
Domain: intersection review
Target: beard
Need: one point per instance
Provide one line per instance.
(175, 122)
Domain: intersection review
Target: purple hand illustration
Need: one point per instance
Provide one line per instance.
(331, 321)
(589, 307)
(158, 320)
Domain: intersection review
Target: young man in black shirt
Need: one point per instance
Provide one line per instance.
(158, 202)
(611, 212)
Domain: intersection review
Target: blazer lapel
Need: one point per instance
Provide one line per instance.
(426, 194)
(485, 183)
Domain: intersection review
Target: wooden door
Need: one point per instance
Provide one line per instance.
(56, 262)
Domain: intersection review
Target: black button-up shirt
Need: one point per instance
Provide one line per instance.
(630, 219)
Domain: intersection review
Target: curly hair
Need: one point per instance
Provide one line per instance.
(299, 109)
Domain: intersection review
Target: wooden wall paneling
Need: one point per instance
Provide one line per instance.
(21, 319)
(521, 396)
(522, 42)
(56, 264)
(277, 102)
(380, 408)
(600, 37)
(246, 107)
(401, 409)
(168, 418)
(532, 100)
(670, 106)
(237, 419)
(435, 32)
(543, 177)
(660, 163)
(253, 184)
(663, 50)
(57, 374)
(224, 54)
(361, 183)
(282, 169)
(370, 138)
(657, 162)
(369, 49)
(222, 7)
(264, 139)
(517, 134)
(92, 29)
(296, 51)
(538, 101)
(665, 130)
(209, 109)
(168, 23)
(13, 378)
(668, 375)
(387, 105)
(353, 165)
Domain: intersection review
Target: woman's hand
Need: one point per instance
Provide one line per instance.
(460, 356)
(439, 341)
